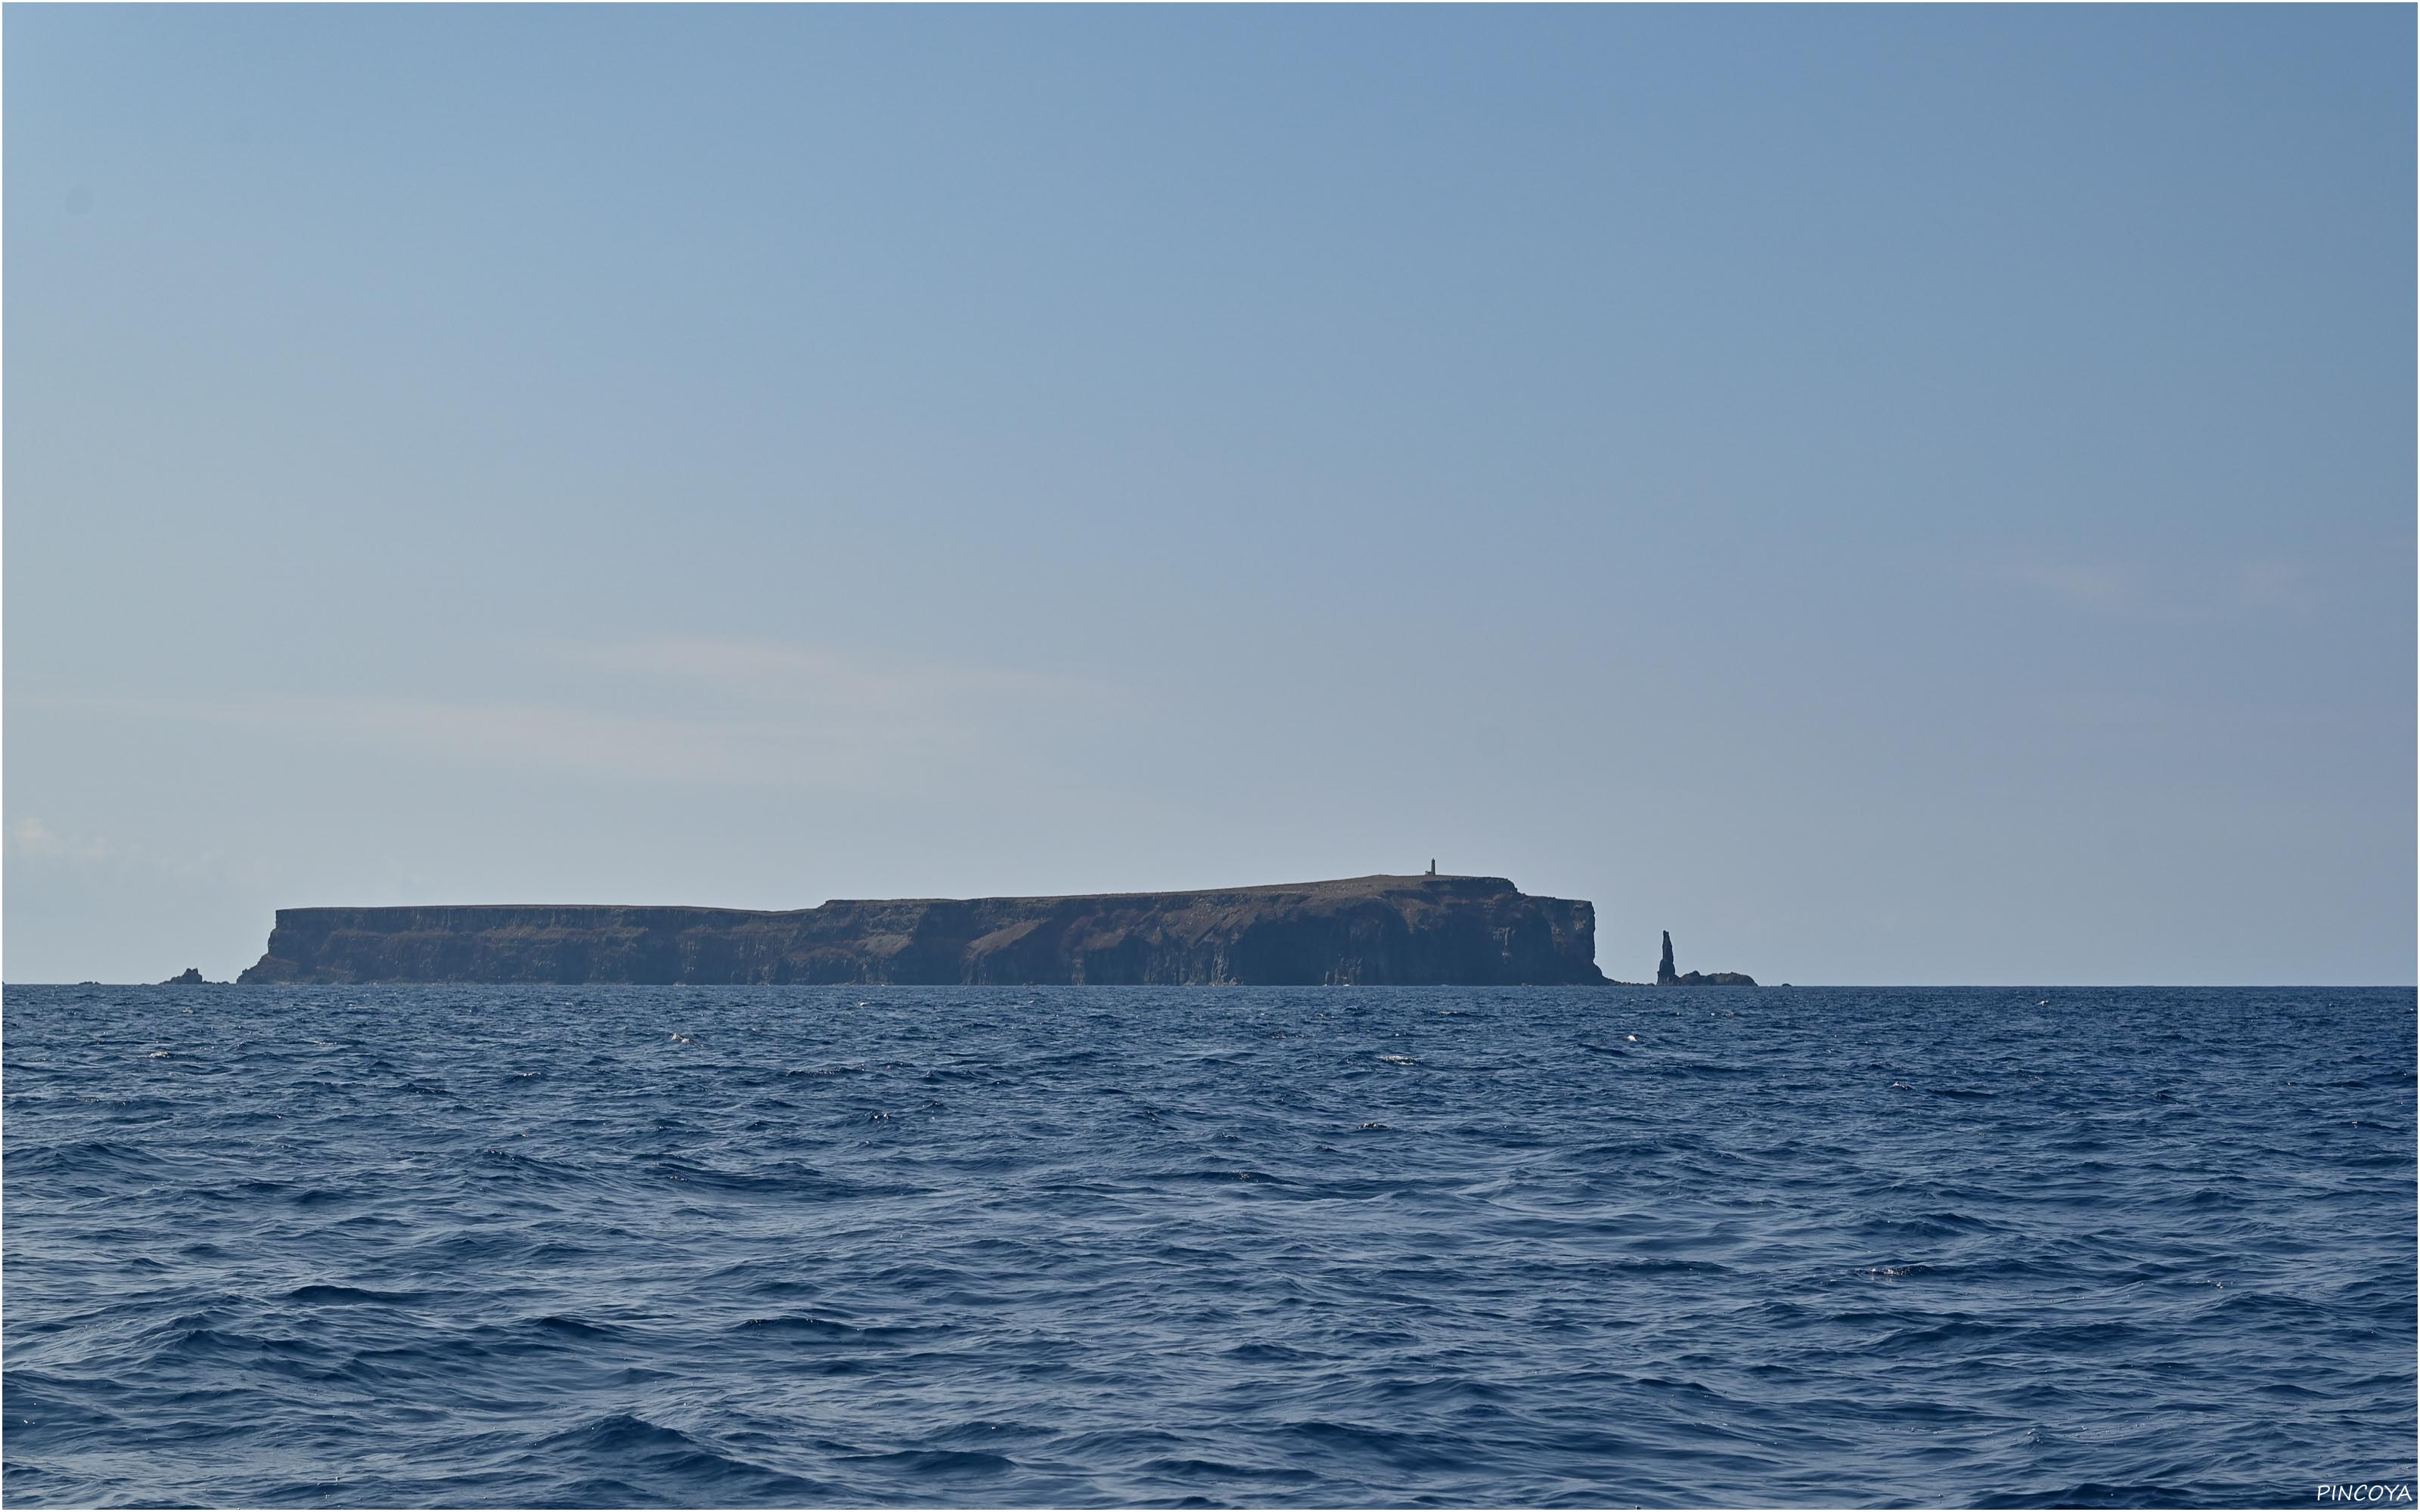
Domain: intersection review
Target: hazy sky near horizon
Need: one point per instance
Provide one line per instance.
(1897, 494)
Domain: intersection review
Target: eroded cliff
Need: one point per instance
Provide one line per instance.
(1370, 930)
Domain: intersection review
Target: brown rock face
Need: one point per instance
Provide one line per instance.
(1366, 930)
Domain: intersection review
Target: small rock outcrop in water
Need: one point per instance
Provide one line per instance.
(192, 977)
(1667, 976)
(1381, 931)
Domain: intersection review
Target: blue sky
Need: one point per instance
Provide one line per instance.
(1889, 495)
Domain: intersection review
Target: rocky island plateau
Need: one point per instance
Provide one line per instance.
(1374, 930)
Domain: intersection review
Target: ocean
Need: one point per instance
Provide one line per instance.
(573, 1246)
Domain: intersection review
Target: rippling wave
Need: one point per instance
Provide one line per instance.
(727, 1246)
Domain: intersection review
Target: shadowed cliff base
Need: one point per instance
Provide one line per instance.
(1377, 930)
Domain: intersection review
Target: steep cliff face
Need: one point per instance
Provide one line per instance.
(1370, 931)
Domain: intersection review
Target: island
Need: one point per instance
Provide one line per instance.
(1375, 931)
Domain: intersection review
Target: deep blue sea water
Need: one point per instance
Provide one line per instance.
(1324, 1247)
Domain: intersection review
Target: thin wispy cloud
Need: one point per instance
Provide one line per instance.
(2271, 584)
(30, 840)
(2184, 592)
(2095, 587)
(779, 672)
(758, 714)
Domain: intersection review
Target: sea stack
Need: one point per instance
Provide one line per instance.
(1667, 976)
